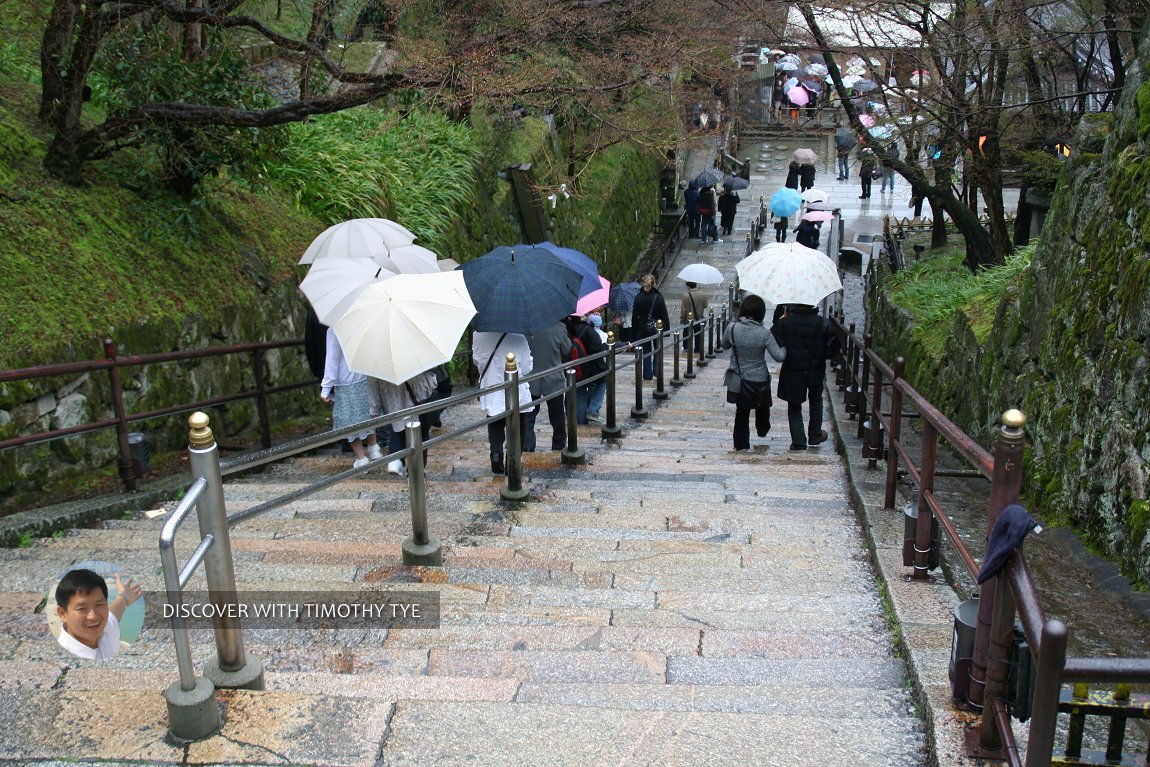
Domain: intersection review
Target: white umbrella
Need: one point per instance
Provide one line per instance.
(815, 195)
(357, 238)
(804, 156)
(409, 324)
(408, 259)
(704, 274)
(333, 284)
(788, 273)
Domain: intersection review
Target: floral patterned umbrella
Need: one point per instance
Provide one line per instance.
(789, 273)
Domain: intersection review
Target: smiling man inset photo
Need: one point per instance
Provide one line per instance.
(92, 625)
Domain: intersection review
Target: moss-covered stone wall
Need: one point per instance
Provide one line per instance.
(1071, 347)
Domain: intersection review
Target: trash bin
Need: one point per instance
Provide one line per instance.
(962, 648)
(138, 447)
(882, 450)
(909, 532)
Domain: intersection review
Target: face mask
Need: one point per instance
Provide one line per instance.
(595, 319)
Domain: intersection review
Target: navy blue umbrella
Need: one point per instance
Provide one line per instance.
(709, 177)
(520, 290)
(623, 296)
(736, 183)
(577, 260)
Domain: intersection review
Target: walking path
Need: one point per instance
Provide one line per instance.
(670, 603)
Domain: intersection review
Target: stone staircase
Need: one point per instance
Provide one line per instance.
(669, 603)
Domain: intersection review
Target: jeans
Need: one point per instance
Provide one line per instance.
(887, 178)
(795, 417)
(707, 227)
(780, 234)
(692, 224)
(648, 362)
(844, 166)
(591, 399)
(397, 440)
(742, 433)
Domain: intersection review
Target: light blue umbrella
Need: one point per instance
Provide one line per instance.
(785, 202)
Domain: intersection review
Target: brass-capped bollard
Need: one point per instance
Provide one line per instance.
(200, 434)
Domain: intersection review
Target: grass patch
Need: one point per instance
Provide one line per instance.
(939, 285)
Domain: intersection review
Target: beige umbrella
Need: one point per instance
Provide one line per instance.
(804, 156)
(406, 325)
(333, 284)
(789, 273)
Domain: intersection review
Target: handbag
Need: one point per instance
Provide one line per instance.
(650, 327)
(733, 378)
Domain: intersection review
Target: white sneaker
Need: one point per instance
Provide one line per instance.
(361, 462)
(396, 468)
(373, 452)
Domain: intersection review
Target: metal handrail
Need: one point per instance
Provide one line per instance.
(1012, 590)
(175, 578)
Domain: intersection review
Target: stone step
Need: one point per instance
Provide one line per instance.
(557, 735)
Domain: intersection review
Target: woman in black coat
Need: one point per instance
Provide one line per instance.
(810, 341)
(649, 307)
(728, 202)
(793, 175)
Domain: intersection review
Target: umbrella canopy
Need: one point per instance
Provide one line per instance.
(785, 201)
(577, 260)
(408, 259)
(850, 81)
(857, 70)
(813, 86)
(790, 57)
(786, 66)
(405, 326)
(736, 183)
(799, 96)
(816, 70)
(856, 61)
(704, 274)
(357, 238)
(845, 138)
(623, 296)
(595, 298)
(882, 132)
(789, 273)
(333, 284)
(818, 215)
(805, 156)
(866, 120)
(792, 82)
(709, 177)
(520, 290)
(919, 78)
(821, 206)
(864, 86)
(447, 264)
(814, 195)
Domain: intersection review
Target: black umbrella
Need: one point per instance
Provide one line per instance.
(736, 183)
(845, 139)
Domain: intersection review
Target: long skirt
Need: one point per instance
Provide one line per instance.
(351, 407)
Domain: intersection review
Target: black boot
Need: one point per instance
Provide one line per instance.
(497, 463)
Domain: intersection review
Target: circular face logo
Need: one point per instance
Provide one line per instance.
(95, 610)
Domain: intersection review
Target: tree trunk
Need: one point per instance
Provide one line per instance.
(55, 47)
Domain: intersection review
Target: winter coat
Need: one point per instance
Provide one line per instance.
(648, 305)
(549, 347)
(755, 347)
(807, 175)
(728, 202)
(807, 234)
(691, 200)
(810, 341)
(793, 175)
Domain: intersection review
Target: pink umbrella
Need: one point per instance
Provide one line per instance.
(799, 96)
(867, 120)
(595, 298)
(818, 215)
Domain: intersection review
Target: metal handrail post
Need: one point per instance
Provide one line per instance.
(1005, 481)
(844, 357)
(514, 461)
(853, 360)
(690, 344)
(998, 666)
(894, 432)
(611, 428)
(1047, 690)
(701, 342)
(676, 379)
(127, 468)
(261, 399)
(925, 487)
(638, 411)
(874, 437)
(571, 454)
(862, 400)
(232, 668)
(420, 548)
(173, 587)
(731, 297)
(711, 333)
(660, 392)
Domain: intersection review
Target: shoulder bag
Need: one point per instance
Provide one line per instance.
(733, 378)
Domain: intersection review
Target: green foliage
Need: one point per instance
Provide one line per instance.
(418, 169)
(141, 65)
(939, 285)
(1041, 170)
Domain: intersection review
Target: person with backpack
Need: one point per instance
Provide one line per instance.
(489, 351)
(586, 341)
(810, 340)
(550, 346)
